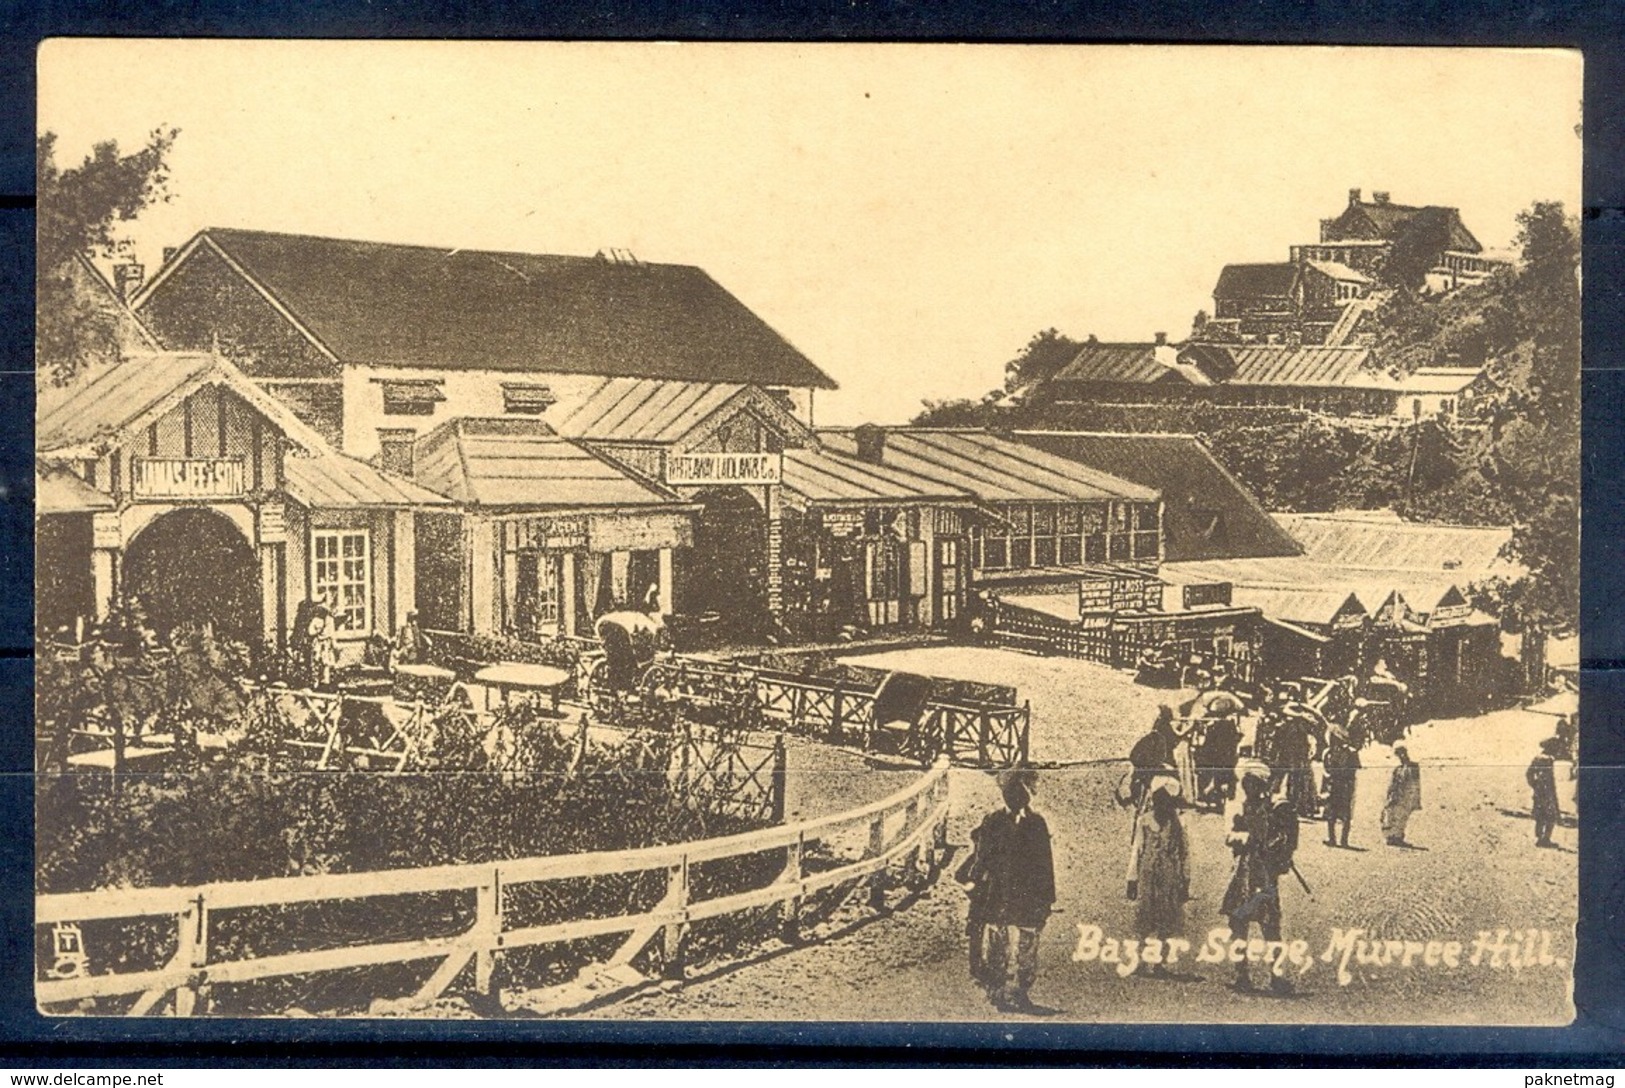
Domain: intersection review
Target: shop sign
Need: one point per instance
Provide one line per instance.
(843, 522)
(693, 469)
(1450, 615)
(560, 534)
(273, 523)
(105, 531)
(186, 477)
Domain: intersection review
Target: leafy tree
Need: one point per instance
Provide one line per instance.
(80, 213)
(1045, 354)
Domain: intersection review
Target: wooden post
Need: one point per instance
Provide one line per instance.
(790, 928)
(672, 940)
(981, 738)
(835, 710)
(488, 932)
(1026, 725)
(877, 846)
(780, 780)
(192, 951)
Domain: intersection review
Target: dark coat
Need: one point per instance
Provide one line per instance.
(1543, 782)
(1271, 832)
(1013, 869)
(1342, 764)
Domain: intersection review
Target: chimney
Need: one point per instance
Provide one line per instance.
(1354, 196)
(127, 279)
(1380, 198)
(396, 451)
(1162, 339)
(871, 440)
(169, 253)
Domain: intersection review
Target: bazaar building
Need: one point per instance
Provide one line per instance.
(172, 480)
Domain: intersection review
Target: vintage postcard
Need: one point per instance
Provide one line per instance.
(807, 532)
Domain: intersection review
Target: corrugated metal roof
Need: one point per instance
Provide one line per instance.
(825, 476)
(333, 481)
(1381, 541)
(645, 409)
(1097, 362)
(524, 462)
(1304, 575)
(58, 491)
(993, 469)
(1447, 380)
(1207, 513)
(462, 309)
(114, 402)
(1339, 367)
(659, 411)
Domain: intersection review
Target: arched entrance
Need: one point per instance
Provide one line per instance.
(193, 565)
(727, 571)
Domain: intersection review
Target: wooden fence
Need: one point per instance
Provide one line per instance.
(1025, 629)
(907, 829)
(965, 731)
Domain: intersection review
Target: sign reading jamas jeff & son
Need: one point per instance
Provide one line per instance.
(723, 468)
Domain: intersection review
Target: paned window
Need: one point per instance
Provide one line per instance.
(341, 578)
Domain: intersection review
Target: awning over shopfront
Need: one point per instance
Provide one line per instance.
(58, 491)
(827, 477)
(504, 463)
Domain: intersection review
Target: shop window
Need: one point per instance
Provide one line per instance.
(1071, 553)
(995, 553)
(341, 577)
(885, 569)
(416, 397)
(536, 593)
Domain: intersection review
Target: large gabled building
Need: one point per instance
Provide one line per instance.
(373, 343)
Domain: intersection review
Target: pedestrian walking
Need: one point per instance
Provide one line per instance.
(1159, 878)
(1342, 766)
(1014, 877)
(1542, 780)
(1404, 797)
(1263, 834)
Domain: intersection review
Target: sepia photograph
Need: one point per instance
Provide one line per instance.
(807, 532)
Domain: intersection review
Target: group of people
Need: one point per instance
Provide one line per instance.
(1217, 754)
(313, 646)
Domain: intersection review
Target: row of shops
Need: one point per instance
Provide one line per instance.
(174, 480)
(622, 452)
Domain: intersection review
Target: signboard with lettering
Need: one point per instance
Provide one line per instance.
(843, 522)
(105, 530)
(1450, 615)
(273, 523)
(695, 469)
(186, 477)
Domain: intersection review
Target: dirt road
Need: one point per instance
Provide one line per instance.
(1474, 869)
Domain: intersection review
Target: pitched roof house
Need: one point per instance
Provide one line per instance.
(366, 336)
